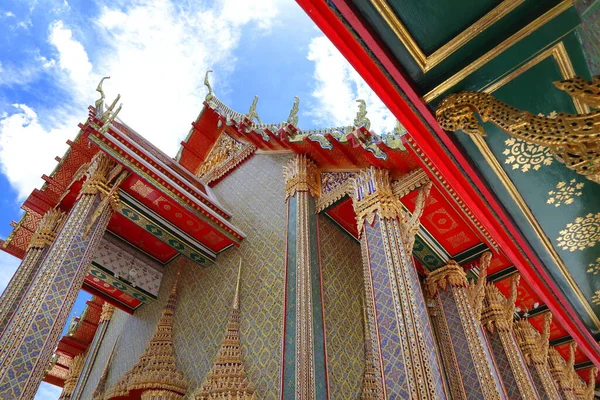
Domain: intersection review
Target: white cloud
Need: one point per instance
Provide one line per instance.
(8, 266)
(156, 52)
(27, 149)
(338, 86)
(47, 391)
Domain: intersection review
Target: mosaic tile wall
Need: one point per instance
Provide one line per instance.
(254, 194)
(508, 378)
(589, 32)
(342, 292)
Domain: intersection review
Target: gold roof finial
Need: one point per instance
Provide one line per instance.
(227, 380)
(210, 94)
(100, 102)
(361, 116)
(156, 369)
(293, 117)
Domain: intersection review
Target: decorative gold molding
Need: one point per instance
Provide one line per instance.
(409, 182)
(301, 175)
(533, 344)
(107, 312)
(439, 279)
(427, 62)
(475, 65)
(226, 154)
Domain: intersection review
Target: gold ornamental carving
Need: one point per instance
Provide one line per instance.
(156, 369)
(225, 154)
(451, 275)
(582, 233)
(47, 229)
(498, 311)
(301, 175)
(107, 312)
(533, 344)
(574, 139)
(476, 291)
(227, 380)
(72, 377)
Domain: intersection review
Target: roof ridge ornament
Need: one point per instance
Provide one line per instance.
(210, 93)
(293, 117)
(100, 102)
(361, 116)
(252, 114)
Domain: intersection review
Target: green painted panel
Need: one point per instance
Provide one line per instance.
(558, 199)
(432, 23)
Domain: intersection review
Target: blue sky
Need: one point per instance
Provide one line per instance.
(53, 53)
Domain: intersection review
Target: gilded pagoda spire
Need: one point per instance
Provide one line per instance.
(227, 379)
(155, 375)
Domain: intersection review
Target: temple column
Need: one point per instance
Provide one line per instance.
(469, 365)
(304, 371)
(405, 361)
(497, 320)
(34, 330)
(74, 373)
(535, 350)
(21, 281)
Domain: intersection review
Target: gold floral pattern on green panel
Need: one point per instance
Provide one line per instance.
(565, 193)
(582, 233)
(594, 268)
(596, 298)
(342, 293)
(526, 156)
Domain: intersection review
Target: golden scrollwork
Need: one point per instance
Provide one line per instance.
(47, 229)
(565, 193)
(227, 379)
(574, 139)
(301, 175)
(476, 291)
(582, 233)
(451, 274)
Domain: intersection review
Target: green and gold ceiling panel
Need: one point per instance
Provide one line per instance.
(434, 40)
(556, 209)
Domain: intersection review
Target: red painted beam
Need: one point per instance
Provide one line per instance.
(485, 207)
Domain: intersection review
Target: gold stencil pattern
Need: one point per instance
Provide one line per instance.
(565, 193)
(596, 298)
(584, 232)
(594, 268)
(526, 156)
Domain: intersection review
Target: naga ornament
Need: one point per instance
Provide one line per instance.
(574, 139)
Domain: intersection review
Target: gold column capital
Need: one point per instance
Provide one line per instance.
(301, 175)
(107, 312)
(374, 195)
(451, 275)
(47, 229)
(533, 344)
(498, 311)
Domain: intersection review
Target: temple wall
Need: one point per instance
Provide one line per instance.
(342, 292)
(254, 194)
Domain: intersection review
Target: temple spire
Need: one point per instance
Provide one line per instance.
(227, 379)
(156, 372)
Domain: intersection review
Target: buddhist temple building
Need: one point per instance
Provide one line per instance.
(454, 257)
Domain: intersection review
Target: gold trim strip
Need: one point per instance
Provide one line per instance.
(475, 65)
(565, 66)
(427, 62)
